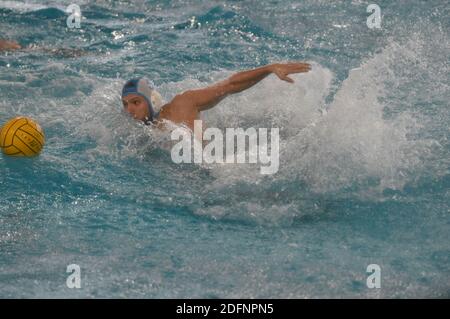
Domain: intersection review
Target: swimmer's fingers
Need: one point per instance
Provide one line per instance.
(298, 67)
(287, 79)
(282, 74)
(282, 70)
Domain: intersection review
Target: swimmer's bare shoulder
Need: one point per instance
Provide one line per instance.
(180, 110)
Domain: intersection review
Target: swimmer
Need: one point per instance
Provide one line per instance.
(141, 100)
(8, 45)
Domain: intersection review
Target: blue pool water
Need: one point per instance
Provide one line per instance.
(364, 155)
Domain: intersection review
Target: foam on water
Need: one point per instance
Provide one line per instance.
(349, 146)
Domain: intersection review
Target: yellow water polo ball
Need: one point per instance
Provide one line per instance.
(21, 136)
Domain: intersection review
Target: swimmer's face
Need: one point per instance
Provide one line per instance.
(136, 106)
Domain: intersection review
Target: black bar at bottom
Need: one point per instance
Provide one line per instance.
(223, 308)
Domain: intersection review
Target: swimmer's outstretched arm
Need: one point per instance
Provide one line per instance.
(206, 98)
(6, 45)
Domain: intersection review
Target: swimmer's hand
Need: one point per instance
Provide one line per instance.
(9, 45)
(282, 70)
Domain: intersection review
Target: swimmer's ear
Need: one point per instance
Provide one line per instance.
(157, 100)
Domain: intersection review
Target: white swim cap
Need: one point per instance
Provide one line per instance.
(145, 88)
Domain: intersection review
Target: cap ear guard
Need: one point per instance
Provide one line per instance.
(157, 101)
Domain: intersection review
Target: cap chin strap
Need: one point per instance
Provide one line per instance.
(147, 121)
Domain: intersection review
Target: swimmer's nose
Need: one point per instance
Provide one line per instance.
(128, 109)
